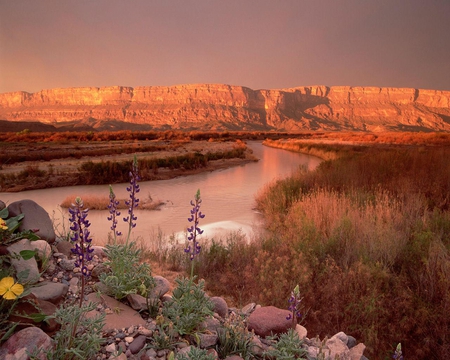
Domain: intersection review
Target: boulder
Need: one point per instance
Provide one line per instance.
(27, 267)
(25, 341)
(269, 320)
(220, 306)
(50, 291)
(35, 218)
(162, 287)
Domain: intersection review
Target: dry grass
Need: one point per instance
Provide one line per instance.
(94, 202)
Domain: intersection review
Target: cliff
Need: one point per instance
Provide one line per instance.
(215, 106)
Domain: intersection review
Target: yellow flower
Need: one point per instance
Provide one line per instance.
(3, 225)
(8, 289)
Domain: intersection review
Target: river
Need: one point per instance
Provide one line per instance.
(228, 197)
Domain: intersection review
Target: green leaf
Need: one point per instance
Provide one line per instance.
(27, 254)
(4, 213)
(14, 222)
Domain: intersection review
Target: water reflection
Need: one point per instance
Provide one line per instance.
(228, 196)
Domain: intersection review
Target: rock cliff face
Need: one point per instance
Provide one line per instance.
(215, 106)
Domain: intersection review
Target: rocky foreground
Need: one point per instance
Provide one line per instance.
(225, 107)
(128, 330)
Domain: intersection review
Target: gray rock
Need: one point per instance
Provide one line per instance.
(208, 340)
(248, 309)
(43, 249)
(269, 320)
(67, 264)
(64, 247)
(119, 316)
(162, 287)
(30, 266)
(35, 218)
(99, 269)
(137, 344)
(351, 341)
(220, 306)
(137, 302)
(50, 291)
(26, 340)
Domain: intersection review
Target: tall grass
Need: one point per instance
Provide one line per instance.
(367, 238)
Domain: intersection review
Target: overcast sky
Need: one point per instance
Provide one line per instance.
(261, 44)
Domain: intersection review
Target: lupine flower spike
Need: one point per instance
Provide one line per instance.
(294, 304)
(398, 352)
(194, 248)
(113, 212)
(133, 203)
(81, 239)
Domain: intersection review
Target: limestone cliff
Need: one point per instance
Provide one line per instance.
(215, 106)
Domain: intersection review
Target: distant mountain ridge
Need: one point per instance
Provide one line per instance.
(226, 107)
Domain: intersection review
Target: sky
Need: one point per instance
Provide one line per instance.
(260, 44)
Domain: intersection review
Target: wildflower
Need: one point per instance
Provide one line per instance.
(10, 290)
(3, 225)
(80, 235)
(398, 352)
(194, 230)
(294, 303)
(114, 213)
(133, 203)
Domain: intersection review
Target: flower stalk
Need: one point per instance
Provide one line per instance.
(133, 202)
(294, 307)
(193, 248)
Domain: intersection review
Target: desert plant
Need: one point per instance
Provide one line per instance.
(287, 346)
(195, 353)
(189, 306)
(234, 338)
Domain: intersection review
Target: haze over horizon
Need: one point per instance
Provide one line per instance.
(260, 44)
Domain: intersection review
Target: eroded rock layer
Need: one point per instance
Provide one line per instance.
(215, 106)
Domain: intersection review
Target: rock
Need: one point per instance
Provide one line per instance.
(162, 287)
(341, 336)
(219, 105)
(338, 348)
(248, 309)
(351, 341)
(234, 357)
(2, 205)
(99, 269)
(269, 320)
(43, 249)
(122, 356)
(356, 352)
(99, 251)
(256, 346)
(121, 316)
(64, 247)
(30, 266)
(50, 291)
(220, 306)
(26, 340)
(137, 344)
(66, 264)
(207, 340)
(301, 331)
(210, 324)
(137, 302)
(35, 218)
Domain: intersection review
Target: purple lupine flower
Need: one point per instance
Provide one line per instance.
(194, 247)
(294, 304)
(133, 202)
(114, 213)
(80, 235)
(398, 352)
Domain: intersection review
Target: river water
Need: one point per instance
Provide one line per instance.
(228, 197)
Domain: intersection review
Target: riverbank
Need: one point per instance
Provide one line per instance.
(167, 160)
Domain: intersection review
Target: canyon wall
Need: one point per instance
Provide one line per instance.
(216, 107)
